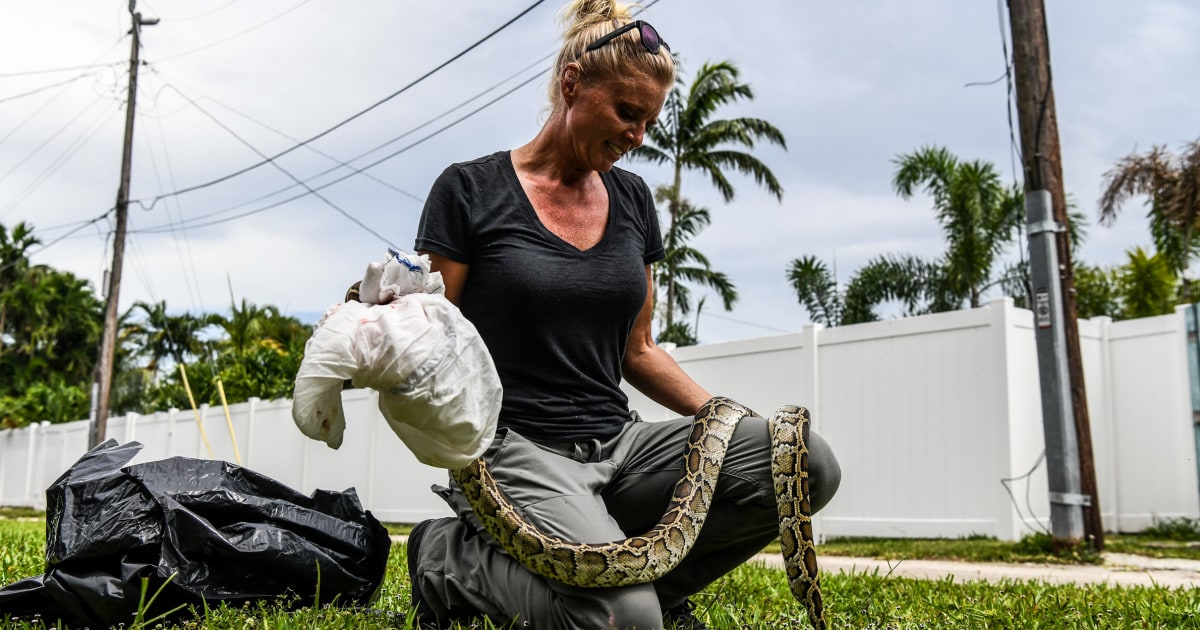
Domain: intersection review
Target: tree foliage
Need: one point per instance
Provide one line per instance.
(684, 264)
(50, 328)
(49, 336)
(689, 137)
(979, 217)
(1171, 185)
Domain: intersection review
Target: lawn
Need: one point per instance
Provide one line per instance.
(754, 597)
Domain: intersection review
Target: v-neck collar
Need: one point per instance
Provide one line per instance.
(558, 241)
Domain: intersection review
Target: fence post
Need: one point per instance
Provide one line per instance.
(1001, 321)
(131, 419)
(253, 402)
(35, 429)
(1109, 385)
(810, 336)
(5, 438)
(171, 412)
(202, 444)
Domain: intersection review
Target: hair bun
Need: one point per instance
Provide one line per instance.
(581, 14)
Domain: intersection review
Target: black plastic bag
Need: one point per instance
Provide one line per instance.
(203, 531)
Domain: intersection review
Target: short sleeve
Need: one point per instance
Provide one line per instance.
(654, 244)
(444, 228)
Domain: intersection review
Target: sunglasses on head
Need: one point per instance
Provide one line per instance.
(650, 39)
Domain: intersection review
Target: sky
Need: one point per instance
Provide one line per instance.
(395, 99)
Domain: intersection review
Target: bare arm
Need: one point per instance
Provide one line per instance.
(454, 275)
(654, 372)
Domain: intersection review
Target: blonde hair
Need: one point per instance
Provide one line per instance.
(588, 20)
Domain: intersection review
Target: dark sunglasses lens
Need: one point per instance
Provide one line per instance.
(650, 38)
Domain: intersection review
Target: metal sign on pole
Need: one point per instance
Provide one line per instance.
(1068, 446)
(1058, 423)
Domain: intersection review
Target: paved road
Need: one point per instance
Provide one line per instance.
(1117, 570)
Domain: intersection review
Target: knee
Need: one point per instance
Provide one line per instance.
(824, 472)
(630, 607)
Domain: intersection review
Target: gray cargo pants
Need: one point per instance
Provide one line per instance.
(597, 492)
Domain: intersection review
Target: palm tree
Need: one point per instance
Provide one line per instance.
(921, 286)
(248, 326)
(1172, 185)
(817, 290)
(689, 138)
(162, 335)
(684, 263)
(1146, 284)
(977, 213)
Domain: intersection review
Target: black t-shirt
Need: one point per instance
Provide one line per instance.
(555, 319)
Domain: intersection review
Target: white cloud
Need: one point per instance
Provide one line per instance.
(852, 85)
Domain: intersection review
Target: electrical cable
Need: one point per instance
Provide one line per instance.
(197, 16)
(46, 104)
(179, 247)
(96, 126)
(744, 322)
(315, 150)
(1007, 488)
(276, 164)
(407, 147)
(344, 122)
(50, 244)
(1014, 153)
(235, 35)
(348, 163)
(52, 136)
(91, 66)
(46, 87)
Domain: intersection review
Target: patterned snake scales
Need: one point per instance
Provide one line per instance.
(648, 557)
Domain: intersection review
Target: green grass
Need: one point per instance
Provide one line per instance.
(753, 597)
(20, 512)
(1034, 548)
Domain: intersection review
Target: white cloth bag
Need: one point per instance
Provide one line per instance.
(438, 387)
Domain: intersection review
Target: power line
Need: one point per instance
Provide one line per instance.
(47, 141)
(236, 35)
(46, 87)
(197, 16)
(345, 177)
(43, 248)
(185, 246)
(348, 163)
(290, 138)
(198, 222)
(744, 322)
(276, 164)
(5, 75)
(46, 104)
(63, 158)
(268, 160)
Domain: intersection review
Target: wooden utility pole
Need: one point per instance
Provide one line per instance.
(1042, 160)
(102, 387)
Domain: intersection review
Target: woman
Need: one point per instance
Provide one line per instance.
(547, 250)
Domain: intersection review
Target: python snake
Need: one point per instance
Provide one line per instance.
(647, 557)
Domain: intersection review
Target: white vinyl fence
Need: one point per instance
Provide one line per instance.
(936, 421)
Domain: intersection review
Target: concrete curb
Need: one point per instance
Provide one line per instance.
(1118, 570)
